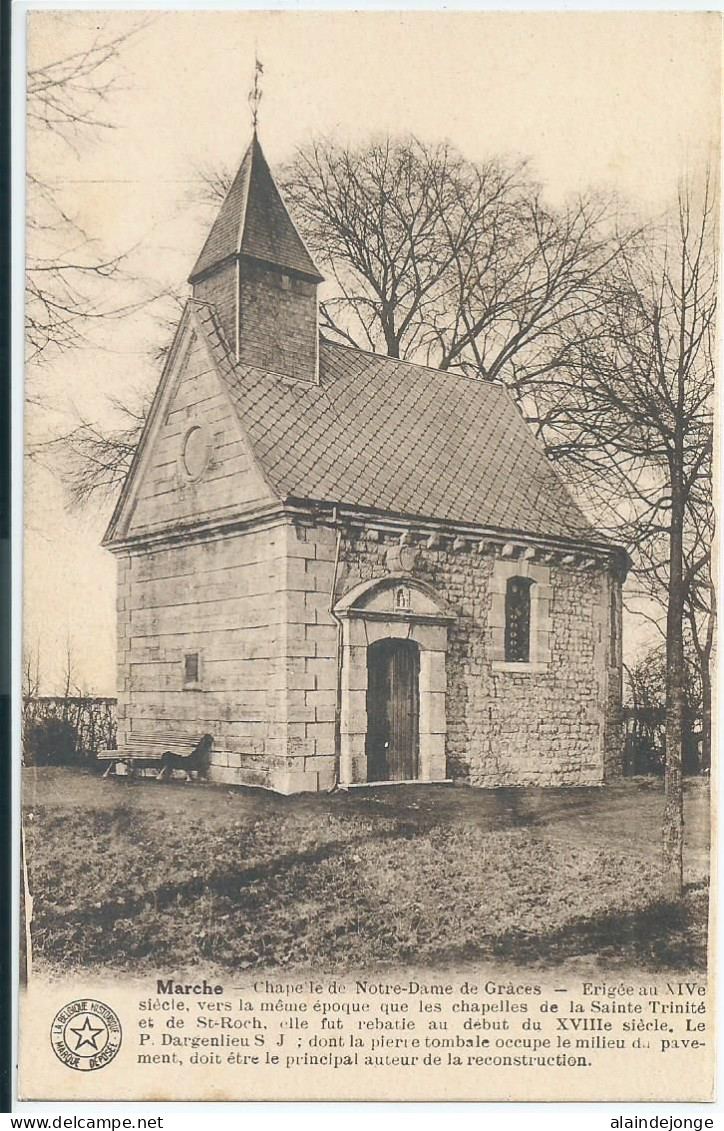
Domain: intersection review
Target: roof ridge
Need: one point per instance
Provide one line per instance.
(244, 204)
(416, 364)
(378, 435)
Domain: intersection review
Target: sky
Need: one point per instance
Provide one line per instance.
(626, 102)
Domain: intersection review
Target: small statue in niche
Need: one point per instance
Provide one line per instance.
(402, 598)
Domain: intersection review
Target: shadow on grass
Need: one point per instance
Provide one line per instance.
(517, 808)
(284, 902)
(662, 936)
(230, 885)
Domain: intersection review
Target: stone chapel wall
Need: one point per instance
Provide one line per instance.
(553, 727)
(224, 599)
(256, 605)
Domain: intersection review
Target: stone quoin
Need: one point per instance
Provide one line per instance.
(349, 568)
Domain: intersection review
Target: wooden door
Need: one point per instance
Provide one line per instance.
(393, 709)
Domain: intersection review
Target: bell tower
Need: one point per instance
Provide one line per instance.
(255, 269)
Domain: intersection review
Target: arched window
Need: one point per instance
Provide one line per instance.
(517, 620)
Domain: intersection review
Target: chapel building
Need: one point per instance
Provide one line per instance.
(349, 568)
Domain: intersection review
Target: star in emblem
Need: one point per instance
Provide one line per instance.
(87, 1035)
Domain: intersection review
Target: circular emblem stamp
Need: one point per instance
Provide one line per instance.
(86, 1034)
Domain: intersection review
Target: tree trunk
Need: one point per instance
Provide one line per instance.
(673, 824)
(705, 716)
(703, 651)
(392, 344)
(706, 681)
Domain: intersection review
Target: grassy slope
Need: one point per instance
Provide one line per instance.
(240, 878)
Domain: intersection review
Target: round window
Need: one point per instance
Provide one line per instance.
(196, 451)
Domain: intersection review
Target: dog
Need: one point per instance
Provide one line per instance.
(197, 760)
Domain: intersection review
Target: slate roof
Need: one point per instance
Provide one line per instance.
(253, 221)
(398, 437)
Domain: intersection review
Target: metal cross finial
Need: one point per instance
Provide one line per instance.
(255, 95)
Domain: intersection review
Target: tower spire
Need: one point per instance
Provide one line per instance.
(256, 270)
(255, 94)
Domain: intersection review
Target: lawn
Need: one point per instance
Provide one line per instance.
(125, 874)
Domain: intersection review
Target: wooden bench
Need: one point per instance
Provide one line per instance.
(146, 749)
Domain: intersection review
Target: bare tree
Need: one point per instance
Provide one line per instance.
(387, 222)
(649, 539)
(701, 617)
(31, 671)
(639, 404)
(95, 459)
(604, 335)
(31, 679)
(457, 264)
(429, 257)
(210, 184)
(69, 684)
(67, 270)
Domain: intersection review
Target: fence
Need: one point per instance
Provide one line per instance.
(87, 724)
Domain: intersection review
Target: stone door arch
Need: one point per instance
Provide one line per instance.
(388, 609)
